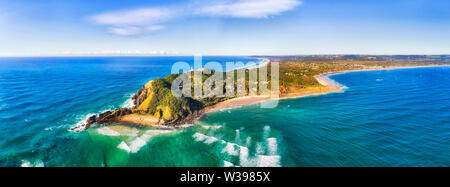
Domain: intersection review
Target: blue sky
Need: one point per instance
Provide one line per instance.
(223, 27)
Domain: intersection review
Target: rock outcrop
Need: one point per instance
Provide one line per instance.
(154, 100)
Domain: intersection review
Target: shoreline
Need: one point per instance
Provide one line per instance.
(327, 87)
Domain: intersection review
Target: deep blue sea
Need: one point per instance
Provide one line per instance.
(384, 118)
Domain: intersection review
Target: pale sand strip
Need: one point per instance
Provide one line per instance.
(141, 119)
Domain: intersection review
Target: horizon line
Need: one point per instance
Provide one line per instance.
(219, 55)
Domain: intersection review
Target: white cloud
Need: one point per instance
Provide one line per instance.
(134, 30)
(146, 20)
(134, 22)
(143, 16)
(248, 8)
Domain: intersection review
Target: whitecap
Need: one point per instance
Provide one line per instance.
(135, 145)
(26, 163)
(199, 137)
(205, 139)
(268, 161)
(272, 146)
(158, 132)
(211, 140)
(248, 141)
(266, 131)
(243, 156)
(82, 124)
(259, 148)
(124, 146)
(227, 164)
(129, 103)
(230, 149)
(238, 138)
(184, 126)
(211, 127)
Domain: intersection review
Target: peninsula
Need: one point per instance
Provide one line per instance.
(299, 76)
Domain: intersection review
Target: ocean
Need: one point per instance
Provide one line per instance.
(384, 118)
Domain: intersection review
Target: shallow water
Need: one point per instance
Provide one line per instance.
(384, 118)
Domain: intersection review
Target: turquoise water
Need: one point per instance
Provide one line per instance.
(384, 118)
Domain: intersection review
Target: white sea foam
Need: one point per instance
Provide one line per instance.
(268, 161)
(55, 127)
(141, 141)
(135, 145)
(129, 103)
(238, 134)
(259, 148)
(82, 124)
(227, 164)
(124, 146)
(266, 132)
(230, 149)
(138, 143)
(248, 141)
(272, 146)
(263, 158)
(26, 163)
(107, 131)
(184, 126)
(224, 109)
(211, 140)
(243, 156)
(205, 139)
(211, 127)
(199, 137)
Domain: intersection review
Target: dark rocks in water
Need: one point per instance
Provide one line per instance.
(104, 115)
(108, 117)
(92, 119)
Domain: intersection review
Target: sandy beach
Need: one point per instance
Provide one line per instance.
(328, 87)
(141, 119)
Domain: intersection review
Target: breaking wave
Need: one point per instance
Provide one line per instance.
(137, 143)
(265, 154)
(129, 103)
